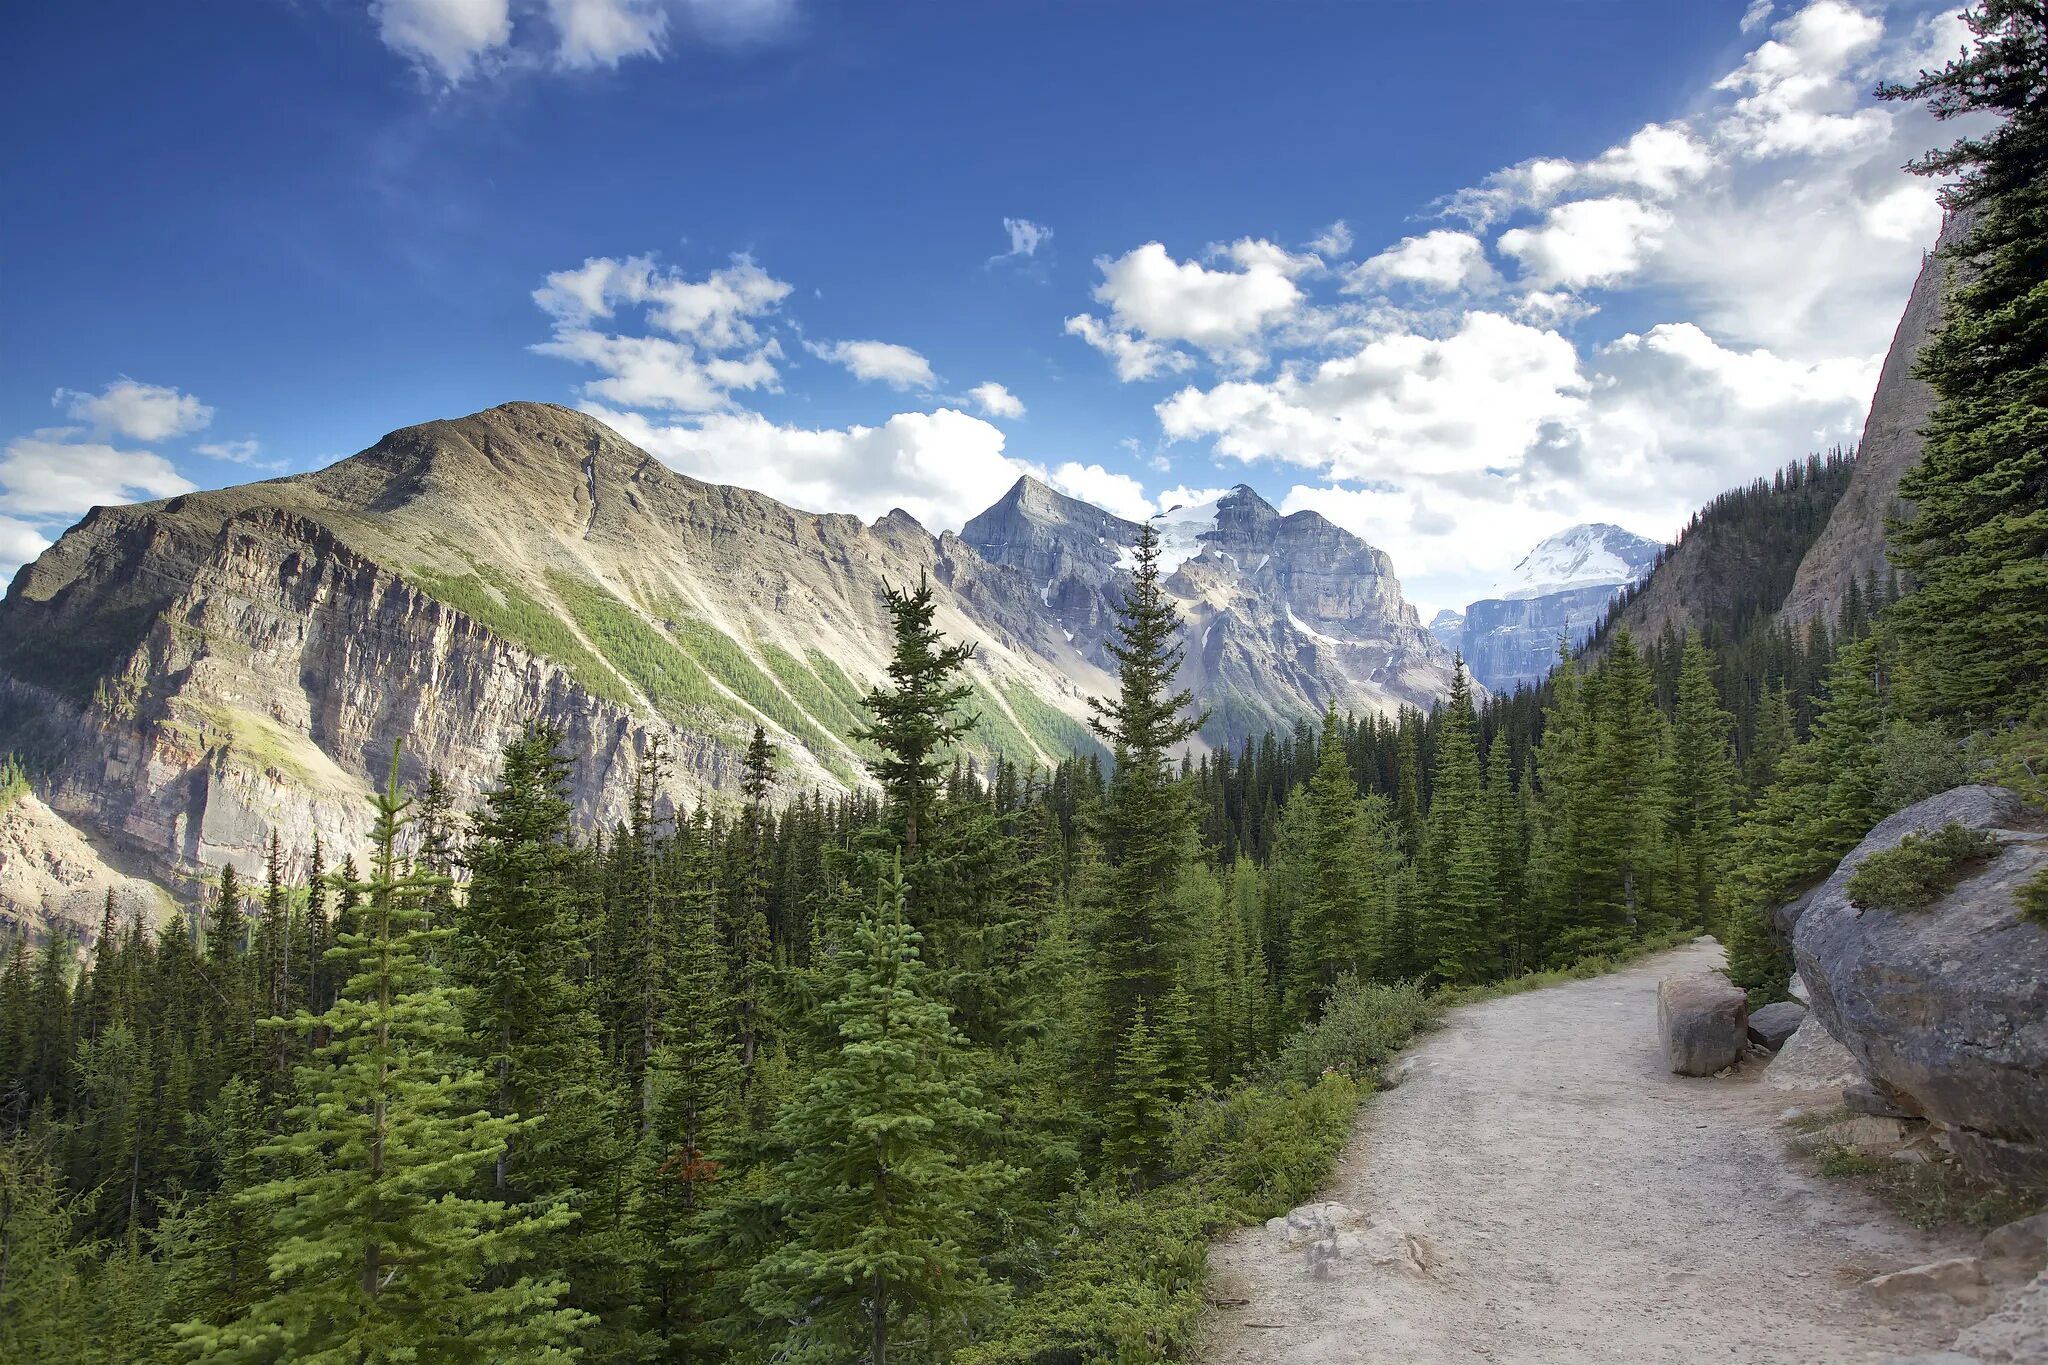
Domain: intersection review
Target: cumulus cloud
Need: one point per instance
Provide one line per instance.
(1111, 491)
(47, 474)
(1441, 259)
(1223, 312)
(592, 33)
(246, 452)
(995, 400)
(1794, 96)
(878, 362)
(941, 467)
(19, 543)
(141, 412)
(714, 345)
(1133, 357)
(1587, 242)
(446, 39)
(1333, 241)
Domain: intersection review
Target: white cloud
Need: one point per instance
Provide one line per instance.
(878, 362)
(1224, 312)
(593, 33)
(1797, 97)
(713, 347)
(995, 400)
(717, 311)
(1113, 492)
(47, 475)
(1441, 259)
(1400, 404)
(1025, 239)
(237, 452)
(942, 467)
(1134, 357)
(1587, 242)
(654, 372)
(1333, 241)
(449, 39)
(19, 543)
(141, 412)
(1758, 13)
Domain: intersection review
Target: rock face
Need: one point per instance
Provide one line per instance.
(1947, 1006)
(51, 875)
(1851, 549)
(1561, 589)
(187, 676)
(1703, 1022)
(1283, 615)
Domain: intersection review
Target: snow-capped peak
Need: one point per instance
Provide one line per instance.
(1593, 555)
(1180, 535)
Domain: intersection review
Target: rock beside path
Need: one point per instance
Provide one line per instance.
(1811, 1059)
(1947, 1005)
(1703, 1022)
(1775, 1023)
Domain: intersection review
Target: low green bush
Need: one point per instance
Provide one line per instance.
(1920, 869)
(1363, 1025)
(2032, 896)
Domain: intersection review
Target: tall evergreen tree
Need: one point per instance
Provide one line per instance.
(1329, 930)
(874, 1182)
(1974, 632)
(379, 1255)
(1703, 788)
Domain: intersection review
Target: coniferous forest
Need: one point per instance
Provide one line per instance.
(970, 1065)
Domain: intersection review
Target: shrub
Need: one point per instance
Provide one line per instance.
(1362, 1026)
(2032, 896)
(1920, 869)
(13, 781)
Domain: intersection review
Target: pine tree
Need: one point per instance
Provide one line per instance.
(1973, 633)
(1144, 831)
(1456, 880)
(1703, 786)
(917, 718)
(379, 1256)
(518, 955)
(1138, 1114)
(881, 1203)
(1329, 930)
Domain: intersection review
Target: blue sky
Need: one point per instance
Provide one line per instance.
(1457, 275)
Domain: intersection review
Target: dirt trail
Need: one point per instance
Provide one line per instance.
(1576, 1202)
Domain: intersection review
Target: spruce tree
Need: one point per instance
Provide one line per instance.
(916, 720)
(881, 1201)
(518, 957)
(1329, 929)
(1456, 881)
(1144, 830)
(1973, 633)
(1702, 790)
(380, 1255)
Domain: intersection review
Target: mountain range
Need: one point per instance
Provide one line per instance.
(186, 676)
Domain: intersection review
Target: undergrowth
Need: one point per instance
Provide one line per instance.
(1920, 869)
(1928, 1194)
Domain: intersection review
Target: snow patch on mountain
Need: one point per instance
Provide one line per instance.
(1592, 555)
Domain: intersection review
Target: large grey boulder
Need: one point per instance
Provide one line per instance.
(1703, 1022)
(1948, 1006)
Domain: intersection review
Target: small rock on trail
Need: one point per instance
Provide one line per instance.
(1557, 1195)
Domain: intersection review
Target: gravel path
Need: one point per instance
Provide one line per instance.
(1575, 1202)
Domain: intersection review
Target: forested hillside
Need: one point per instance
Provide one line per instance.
(970, 1068)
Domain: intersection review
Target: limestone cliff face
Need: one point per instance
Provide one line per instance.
(1851, 548)
(188, 675)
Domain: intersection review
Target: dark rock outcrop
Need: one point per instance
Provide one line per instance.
(1774, 1024)
(1947, 1006)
